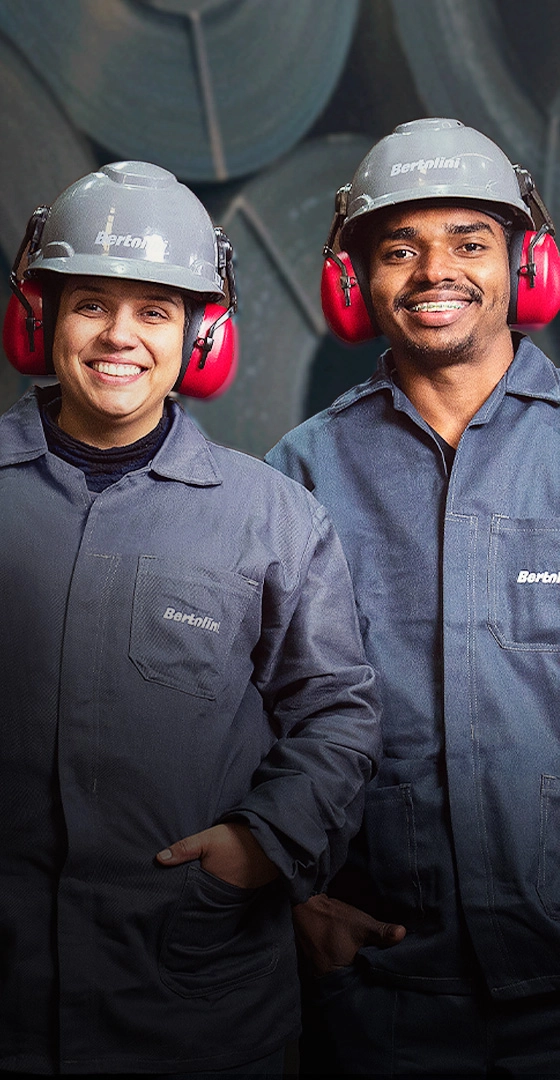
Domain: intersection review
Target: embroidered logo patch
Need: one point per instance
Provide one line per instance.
(198, 621)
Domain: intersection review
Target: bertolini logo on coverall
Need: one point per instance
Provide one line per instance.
(201, 622)
(543, 577)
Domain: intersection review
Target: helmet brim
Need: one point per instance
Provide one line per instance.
(177, 277)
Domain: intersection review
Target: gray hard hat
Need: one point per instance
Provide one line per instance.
(131, 220)
(434, 158)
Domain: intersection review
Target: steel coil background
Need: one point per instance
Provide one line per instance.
(211, 89)
(241, 99)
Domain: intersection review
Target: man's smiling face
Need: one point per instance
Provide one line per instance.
(439, 282)
(117, 354)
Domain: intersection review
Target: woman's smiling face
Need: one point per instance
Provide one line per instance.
(117, 353)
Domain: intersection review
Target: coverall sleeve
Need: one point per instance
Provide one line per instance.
(307, 797)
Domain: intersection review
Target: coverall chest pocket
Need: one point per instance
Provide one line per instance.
(184, 625)
(524, 583)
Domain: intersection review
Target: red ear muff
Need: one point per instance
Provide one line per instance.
(213, 362)
(343, 305)
(23, 330)
(535, 279)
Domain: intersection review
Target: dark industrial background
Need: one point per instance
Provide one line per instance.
(264, 108)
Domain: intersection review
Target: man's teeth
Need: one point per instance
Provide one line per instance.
(115, 369)
(439, 305)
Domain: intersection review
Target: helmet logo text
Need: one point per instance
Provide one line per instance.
(424, 164)
(112, 240)
(155, 246)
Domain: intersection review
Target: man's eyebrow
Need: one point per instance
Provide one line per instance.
(474, 226)
(408, 232)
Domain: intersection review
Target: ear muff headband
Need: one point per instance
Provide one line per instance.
(210, 347)
(344, 304)
(22, 336)
(211, 344)
(534, 262)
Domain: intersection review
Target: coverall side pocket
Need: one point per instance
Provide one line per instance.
(219, 936)
(393, 853)
(548, 880)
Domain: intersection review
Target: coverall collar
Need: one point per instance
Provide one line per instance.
(185, 455)
(530, 374)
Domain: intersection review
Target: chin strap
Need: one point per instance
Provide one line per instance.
(347, 282)
(543, 221)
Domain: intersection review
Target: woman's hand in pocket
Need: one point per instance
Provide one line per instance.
(229, 851)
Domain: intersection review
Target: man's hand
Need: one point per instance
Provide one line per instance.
(228, 851)
(330, 932)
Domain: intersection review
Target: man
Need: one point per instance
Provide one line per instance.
(442, 477)
(185, 740)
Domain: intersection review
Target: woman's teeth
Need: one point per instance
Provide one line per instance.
(106, 368)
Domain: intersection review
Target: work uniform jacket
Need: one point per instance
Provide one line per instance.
(457, 580)
(177, 650)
